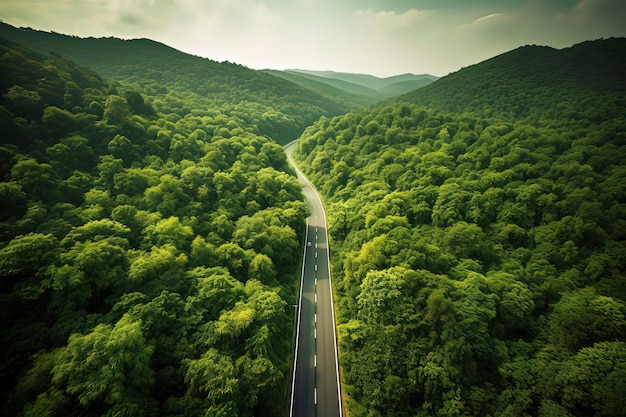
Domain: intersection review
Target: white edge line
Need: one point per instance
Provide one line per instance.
(295, 356)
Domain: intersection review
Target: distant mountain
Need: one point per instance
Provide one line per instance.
(362, 88)
(348, 96)
(372, 82)
(401, 87)
(535, 81)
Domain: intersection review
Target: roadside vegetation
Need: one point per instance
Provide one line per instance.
(150, 246)
(479, 239)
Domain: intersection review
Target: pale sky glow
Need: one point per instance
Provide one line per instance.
(366, 36)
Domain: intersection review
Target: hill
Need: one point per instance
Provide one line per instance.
(284, 108)
(478, 229)
(373, 82)
(536, 82)
(348, 95)
(361, 88)
(149, 244)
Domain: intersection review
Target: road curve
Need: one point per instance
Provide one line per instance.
(315, 389)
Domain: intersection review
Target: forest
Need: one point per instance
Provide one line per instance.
(151, 236)
(478, 239)
(269, 105)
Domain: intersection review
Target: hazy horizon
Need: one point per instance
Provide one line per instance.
(355, 36)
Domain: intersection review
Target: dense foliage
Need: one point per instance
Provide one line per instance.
(480, 262)
(149, 245)
(274, 107)
(537, 83)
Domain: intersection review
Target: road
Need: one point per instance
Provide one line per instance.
(315, 389)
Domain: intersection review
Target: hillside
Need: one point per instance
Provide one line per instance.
(349, 96)
(372, 82)
(149, 247)
(367, 87)
(478, 230)
(535, 82)
(284, 108)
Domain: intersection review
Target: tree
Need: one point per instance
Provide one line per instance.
(593, 380)
(216, 291)
(36, 179)
(583, 317)
(91, 271)
(117, 110)
(121, 147)
(380, 299)
(212, 378)
(515, 302)
(169, 231)
(26, 103)
(13, 200)
(108, 370)
(262, 269)
(162, 267)
(168, 196)
(137, 104)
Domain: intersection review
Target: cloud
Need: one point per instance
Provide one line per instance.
(490, 18)
(387, 18)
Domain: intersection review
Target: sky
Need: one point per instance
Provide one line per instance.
(378, 37)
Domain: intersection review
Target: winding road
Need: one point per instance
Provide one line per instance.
(315, 389)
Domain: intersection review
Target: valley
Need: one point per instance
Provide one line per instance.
(153, 234)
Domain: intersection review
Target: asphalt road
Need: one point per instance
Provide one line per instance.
(315, 381)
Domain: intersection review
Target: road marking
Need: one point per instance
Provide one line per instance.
(315, 245)
(316, 281)
(315, 333)
(315, 395)
(316, 255)
(316, 317)
(316, 267)
(315, 360)
(315, 298)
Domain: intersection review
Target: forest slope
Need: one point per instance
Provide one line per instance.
(281, 108)
(536, 82)
(366, 89)
(408, 81)
(149, 247)
(480, 251)
(349, 99)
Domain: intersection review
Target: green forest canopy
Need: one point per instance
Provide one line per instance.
(150, 238)
(270, 105)
(478, 235)
(479, 243)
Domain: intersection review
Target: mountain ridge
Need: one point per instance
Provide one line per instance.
(369, 81)
(150, 63)
(529, 79)
(476, 224)
(118, 58)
